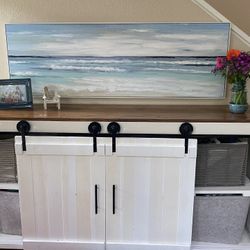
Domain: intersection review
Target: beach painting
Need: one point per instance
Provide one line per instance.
(141, 60)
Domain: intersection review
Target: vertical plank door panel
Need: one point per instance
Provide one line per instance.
(152, 177)
(57, 178)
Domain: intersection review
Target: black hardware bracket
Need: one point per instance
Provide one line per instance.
(113, 129)
(94, 129)
(23, 128)
(186, 129)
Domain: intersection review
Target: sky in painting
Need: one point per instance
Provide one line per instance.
(108, 40)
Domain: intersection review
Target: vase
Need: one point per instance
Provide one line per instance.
(238, 103)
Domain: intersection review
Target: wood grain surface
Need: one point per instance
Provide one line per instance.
(132, 113)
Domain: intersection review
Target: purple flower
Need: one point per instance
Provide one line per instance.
(237, 68)
(243, 63)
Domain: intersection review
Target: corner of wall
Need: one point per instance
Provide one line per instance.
(4, 69)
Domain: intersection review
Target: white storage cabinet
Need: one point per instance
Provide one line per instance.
(140, 197)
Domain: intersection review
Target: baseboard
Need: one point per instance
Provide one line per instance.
(62, 245)
(139, 246)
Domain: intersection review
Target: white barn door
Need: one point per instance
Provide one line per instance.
(60, 180)
(149, 194)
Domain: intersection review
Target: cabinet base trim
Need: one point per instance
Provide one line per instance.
(143, 246)
(62, 245)
(66, 245)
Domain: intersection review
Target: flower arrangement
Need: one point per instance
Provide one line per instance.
(236, 68)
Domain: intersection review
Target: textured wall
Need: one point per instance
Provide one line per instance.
(46, 11)
(237, 11)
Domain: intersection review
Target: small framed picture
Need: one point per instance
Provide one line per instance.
(15, 93)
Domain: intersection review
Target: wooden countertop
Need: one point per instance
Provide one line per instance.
(128, 113)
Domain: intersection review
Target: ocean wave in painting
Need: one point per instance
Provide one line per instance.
(25, 73)
(109, 76)
(82, 68)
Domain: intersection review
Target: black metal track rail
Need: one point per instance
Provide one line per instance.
(186, 130)
(137, 135)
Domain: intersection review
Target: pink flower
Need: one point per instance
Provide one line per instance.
(220, 63)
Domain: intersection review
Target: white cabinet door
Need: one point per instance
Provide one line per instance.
(57, 179)
(152, 182)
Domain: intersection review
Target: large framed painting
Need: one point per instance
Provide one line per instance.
(141, 60)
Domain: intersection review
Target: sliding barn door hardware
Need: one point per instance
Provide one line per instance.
(186, 129)
(114, 128)
(23, 128)
(94, 129)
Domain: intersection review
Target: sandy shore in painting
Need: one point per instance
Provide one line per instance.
(99, 87)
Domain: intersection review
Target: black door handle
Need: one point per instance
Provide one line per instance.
(96, 199)
(113, 199)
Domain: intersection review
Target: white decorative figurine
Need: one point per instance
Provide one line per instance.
(51, 97)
